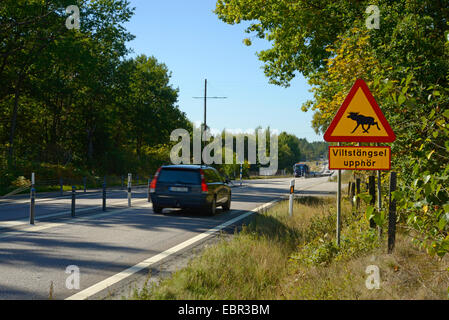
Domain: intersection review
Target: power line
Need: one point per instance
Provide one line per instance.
(205, 109)
(205, 97)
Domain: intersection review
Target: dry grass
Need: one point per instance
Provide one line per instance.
(282, 257)
(408, 273)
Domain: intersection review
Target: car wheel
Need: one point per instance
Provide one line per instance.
(227, 205)
(212, 208)
(157, 209)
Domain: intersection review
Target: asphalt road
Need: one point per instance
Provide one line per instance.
(109, 248)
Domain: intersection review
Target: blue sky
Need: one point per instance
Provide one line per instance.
(195, 45)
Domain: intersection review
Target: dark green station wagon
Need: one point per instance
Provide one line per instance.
(190, 187)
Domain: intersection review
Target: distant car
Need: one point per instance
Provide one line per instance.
(301, 170)
(327, 173)
(189, 187)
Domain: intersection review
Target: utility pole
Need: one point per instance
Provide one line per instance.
(205, 107)
(205, 115)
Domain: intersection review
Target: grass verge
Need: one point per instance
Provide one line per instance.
(282, 257)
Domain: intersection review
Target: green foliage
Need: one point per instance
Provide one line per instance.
(298, 30)
(406, 66)
(319, 246)
(70, 98)
(21, 182)
(293, 149)
(289, 152)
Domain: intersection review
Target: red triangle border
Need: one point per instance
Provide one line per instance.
(360, 83)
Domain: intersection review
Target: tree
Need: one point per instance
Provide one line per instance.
(69, 97)
(30, 31)
(405, 64)
(289, 152)
(148, 109)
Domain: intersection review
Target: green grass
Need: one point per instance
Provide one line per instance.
(282, 257)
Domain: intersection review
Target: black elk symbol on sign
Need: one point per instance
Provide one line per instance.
(362, 121)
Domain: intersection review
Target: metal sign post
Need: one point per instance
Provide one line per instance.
(338, 205)
(379, 199)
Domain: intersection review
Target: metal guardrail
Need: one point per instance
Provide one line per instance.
(18, 190)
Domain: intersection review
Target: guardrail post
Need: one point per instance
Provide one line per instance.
(292, 194)
(129, 188)
(104, 194)
(372, 192)
(32, 199)
(392, 215)
(379, 199)
(73, 200)
(357, 190)
(352, 193)
(241, 173)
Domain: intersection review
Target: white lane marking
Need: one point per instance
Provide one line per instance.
(22, 222)
(49, 225)
(102, 285)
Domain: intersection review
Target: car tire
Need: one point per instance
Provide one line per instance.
(227, 205)
(212, 207)
(157, 209)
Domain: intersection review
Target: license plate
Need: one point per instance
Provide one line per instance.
(179, 189)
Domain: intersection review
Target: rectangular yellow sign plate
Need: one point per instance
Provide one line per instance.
(359, 158)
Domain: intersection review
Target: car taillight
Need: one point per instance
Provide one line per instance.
(154, 181)
(204, 187)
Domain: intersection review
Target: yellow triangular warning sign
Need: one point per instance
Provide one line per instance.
(359, 119)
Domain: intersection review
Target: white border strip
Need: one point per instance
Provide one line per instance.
(100, 286)
(47, 225)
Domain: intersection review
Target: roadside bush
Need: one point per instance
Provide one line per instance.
(21, 182)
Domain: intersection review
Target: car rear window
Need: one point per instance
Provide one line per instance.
(179, 176)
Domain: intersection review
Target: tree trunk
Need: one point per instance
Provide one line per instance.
(14, 118)
(90, 144)
(138, 146)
